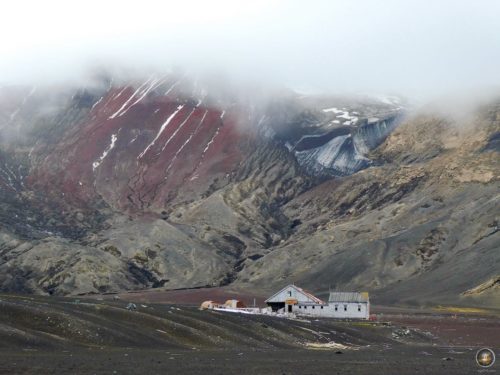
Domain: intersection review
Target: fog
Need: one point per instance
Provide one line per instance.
(416, 48)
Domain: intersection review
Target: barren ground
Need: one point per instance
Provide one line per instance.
(49, 335)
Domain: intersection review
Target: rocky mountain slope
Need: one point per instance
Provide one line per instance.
(423, 225)
(169, 182)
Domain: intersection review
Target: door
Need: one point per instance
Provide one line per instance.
(289, 308)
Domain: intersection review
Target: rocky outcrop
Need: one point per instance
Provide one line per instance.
(336, 142)
(487, 286)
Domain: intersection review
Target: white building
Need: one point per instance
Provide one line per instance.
(343, 305)
(290, 296)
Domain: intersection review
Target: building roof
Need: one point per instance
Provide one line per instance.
(234, 303)
(348, 297)
(299, 290)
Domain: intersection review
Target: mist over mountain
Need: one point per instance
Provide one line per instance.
(419, 48)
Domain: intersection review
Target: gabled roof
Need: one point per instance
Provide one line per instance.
(299, 290)
(348, 297)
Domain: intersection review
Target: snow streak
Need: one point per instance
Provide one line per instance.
(177, 130)
(98, 162)
(205, 151)
(14, 114)
(117, 113)
(96, 103)
(165, 124)
(171, 88)
(154, 84)
(185, 143)
(141, 92)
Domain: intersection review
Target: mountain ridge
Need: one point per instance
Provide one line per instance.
(158, 183)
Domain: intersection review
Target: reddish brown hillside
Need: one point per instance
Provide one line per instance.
(136, 147)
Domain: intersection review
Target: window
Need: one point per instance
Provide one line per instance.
(359, 308)
(290, 293)
(300, 307)
(336, 307)
(345, 307)
(321, 307)
(313, 307)
(305, 307)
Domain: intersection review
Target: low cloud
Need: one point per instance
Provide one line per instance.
(420, 49)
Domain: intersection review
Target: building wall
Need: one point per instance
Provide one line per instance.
(344, 310)
(290, 293)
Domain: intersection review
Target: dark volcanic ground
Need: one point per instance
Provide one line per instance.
(50, 335)
(401, 360)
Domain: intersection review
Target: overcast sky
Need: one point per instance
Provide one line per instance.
(405, 46)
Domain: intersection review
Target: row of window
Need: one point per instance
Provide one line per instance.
(305, 307)
(336, 307)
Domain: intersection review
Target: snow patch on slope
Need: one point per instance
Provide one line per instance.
(98, 162)
(342, 114)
